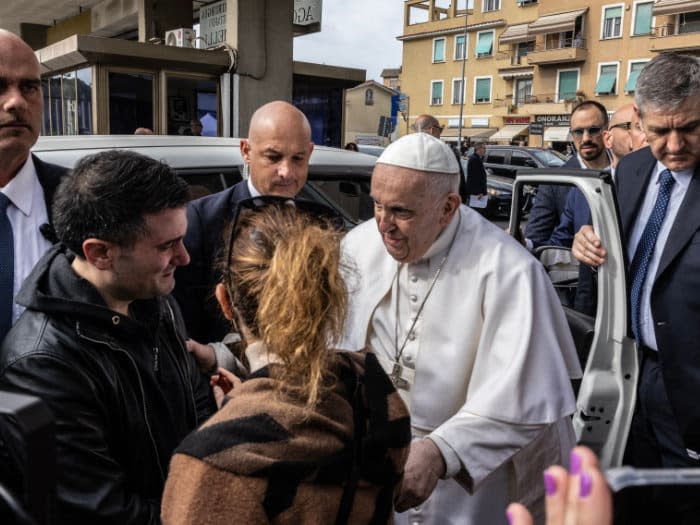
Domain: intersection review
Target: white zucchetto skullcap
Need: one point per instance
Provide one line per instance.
(422, 152)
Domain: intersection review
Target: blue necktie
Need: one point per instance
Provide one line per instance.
(645, 249)
(7, 268)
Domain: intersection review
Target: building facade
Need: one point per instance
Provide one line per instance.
(529, 62)
(365, 106)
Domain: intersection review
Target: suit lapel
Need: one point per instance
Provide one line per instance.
(686, 224)
(631, 192)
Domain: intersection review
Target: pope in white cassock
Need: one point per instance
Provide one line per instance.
(468, 326)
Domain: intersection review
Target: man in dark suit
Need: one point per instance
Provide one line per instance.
(588, 121)
(476, 173)
(27, 185)
(277, 154)
(658, 191)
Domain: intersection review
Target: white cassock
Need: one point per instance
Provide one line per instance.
(490, 359)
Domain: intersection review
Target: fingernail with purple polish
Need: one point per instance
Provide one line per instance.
(586, 485)
(574, 463)
(550, 484)
(509, 515)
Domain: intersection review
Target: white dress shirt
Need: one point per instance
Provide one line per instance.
(27, 212)
(678, 192)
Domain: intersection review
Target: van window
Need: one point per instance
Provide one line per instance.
(205, 181)
(518, 158)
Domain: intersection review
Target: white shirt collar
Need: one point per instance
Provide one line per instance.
(252, 189)
(259, 357)
(20, 189)
(681, 177)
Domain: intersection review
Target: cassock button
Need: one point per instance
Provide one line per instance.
(414, 278)
(414, 298)
(412, 337)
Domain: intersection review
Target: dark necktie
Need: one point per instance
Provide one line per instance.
(645, 249)
(7, 268)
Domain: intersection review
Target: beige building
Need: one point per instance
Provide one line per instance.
(529, 62)
(364, 106)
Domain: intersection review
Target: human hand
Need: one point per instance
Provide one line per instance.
(579, 497)
(424, 467)
(586, 247)
(222, 383)
(203, 354)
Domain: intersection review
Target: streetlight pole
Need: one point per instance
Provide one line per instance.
(461, 95)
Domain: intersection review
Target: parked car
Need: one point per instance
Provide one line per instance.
(506, 160)
(337, 178)
(370, 150)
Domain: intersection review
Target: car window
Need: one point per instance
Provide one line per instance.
(203, 182)
(548, 158)
(496, 156)
(519, 158)
(352, 196)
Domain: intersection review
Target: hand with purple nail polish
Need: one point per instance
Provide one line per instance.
(578, 496)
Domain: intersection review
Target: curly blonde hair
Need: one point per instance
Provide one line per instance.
(284, 280)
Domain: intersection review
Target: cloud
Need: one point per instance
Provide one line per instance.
(357, 33)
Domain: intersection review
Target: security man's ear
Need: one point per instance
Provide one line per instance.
(99, 253)
(224, 301)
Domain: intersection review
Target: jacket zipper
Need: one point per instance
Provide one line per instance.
(184, 375)
(143, 395)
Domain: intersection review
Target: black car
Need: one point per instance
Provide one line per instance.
(506, 160)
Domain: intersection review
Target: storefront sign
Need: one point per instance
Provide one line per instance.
(554, 120)
(516, 120)
(536, 128)
(307, 12)
(480, 122)
(212, 24)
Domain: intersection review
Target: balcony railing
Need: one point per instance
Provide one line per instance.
(671, 30)
(561, 43)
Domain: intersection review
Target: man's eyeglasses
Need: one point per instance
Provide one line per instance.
(325, 215)
(622, 125)
(593, 131)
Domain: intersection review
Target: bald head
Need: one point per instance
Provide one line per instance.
(624, 133)
(21, 103)
(278, 149)
(427, 124)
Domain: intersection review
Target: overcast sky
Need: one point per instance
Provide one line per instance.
(355, 33)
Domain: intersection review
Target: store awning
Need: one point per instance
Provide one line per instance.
(673, 7)
(517, 73)
(514, 35)
(556, 134)
(555, 23)
(509, 131)
(472, 133)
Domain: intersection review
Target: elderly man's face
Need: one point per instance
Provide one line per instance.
(674, 135)
(21, 102)
(409, 214)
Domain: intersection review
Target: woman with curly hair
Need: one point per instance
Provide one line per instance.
(311, 435)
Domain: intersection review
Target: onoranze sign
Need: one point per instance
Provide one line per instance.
(554, 120)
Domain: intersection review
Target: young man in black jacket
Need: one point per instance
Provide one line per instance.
(102, 342)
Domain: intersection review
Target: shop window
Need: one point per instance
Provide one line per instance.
(189, 100)
(130, 102)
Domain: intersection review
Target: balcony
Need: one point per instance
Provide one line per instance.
(562, 51)
(506, 60)
(667, 38)
(545, 104)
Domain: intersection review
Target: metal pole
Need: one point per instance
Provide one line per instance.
(461, 95)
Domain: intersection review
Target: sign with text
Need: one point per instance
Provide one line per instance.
(212, 24)
(515, 120)
(307, 12)
(554, 120)
(536, 128)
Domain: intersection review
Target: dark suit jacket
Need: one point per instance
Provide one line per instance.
(547, 208)
(207, 219)
(49, 176)
(675, 295)
(476, 176)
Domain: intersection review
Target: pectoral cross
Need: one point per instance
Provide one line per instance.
(399, 382)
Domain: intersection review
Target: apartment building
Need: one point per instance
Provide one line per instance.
(529, 62)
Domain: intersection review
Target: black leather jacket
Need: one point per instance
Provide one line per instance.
(124, 391)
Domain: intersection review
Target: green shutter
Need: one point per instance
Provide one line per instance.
(439, 52)
(613, 12)
(642, 19)
(483, 89)
(567, 84)
(605, 84)
(485, 43)
(632, 79)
